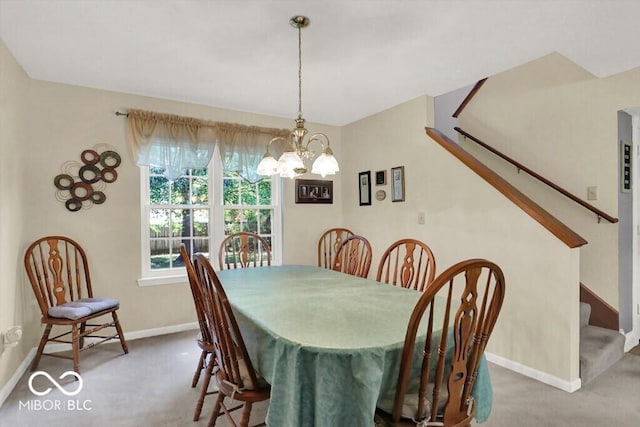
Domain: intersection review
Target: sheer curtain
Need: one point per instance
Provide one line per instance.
(175, 143)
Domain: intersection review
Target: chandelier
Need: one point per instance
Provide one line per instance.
(291, 162)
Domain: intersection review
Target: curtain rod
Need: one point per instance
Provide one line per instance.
(118, 113)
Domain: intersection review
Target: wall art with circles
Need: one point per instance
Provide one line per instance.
(82, 184)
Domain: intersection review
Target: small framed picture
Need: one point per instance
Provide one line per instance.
(397, 184)
(364, 181)
(381, 177)
(625, 166)
(314, 191)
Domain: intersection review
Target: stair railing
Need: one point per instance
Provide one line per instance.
(535, 211)
(469, 97)
(600, 214)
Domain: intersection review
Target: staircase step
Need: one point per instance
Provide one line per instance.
(600, 348)
(585, 314)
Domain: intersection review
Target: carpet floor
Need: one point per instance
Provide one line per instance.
(151, 386)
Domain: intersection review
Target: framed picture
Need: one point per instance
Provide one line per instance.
(397, 184)
(381, 177)
(364, 181)
(314, 191)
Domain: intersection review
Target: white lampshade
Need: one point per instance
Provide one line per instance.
(268, 165)
(288, 163)
(325, 165)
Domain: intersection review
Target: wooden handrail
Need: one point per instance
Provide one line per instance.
(520, 166)
(469, 96)
(535, 211)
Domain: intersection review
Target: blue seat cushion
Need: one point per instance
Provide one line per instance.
(83, 307)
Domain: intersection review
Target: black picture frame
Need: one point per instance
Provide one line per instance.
(381, 177)
(314, 191)
(364, 186)
(397, 184)
(625, 166)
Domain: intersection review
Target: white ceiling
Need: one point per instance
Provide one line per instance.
(359, 56)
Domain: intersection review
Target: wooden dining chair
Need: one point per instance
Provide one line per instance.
(235, 377)
(438, 370)
(207, 361)
(244, 249)
(329, 243)
(408, 263)
(58, 271)
(354, 257)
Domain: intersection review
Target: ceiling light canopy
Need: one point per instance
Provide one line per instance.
(291, 162)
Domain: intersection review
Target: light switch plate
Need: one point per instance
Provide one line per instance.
(592, 193)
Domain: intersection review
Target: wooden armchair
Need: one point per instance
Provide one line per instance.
(58, 271)
(438, 370)
(329, 243)
(244, 249)
(408, 263)
(235, 377)
(354, 257)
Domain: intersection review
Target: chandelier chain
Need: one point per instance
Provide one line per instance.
(299, 71)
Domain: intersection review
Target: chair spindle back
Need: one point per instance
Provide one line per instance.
(354, 257)
(244, 249)
(58, 271)
(408, 263)
(329, 243)
(465, 301)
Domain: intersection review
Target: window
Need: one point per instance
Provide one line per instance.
(178, 213)
(247, 207)
(199, 209)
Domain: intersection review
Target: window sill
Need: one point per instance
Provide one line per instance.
(163, 280)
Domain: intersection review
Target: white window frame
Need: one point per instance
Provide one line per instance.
(151, 277)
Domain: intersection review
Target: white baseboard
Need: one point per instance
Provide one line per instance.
(6, 390)
(161, 331)
(631, 339)
(543, 377)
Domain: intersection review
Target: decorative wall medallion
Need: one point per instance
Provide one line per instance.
(82, 184)
(381, 195)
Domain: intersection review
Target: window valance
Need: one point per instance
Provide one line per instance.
(176, 143)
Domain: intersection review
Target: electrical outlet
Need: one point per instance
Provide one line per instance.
(420, 217)
(12, 336)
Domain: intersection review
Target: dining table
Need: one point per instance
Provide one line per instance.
(328, 343)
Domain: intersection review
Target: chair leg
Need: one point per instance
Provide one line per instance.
(43, 341)
(120, 334)
(216, 410)
(196, 375)
(75, 344)
(205, 387)
(246, 413)
(83, 326)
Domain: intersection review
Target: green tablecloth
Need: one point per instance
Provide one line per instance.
(328, 343)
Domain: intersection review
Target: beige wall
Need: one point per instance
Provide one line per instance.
(561, 122)
(61, 122)
(14, 95)
(467, 218)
